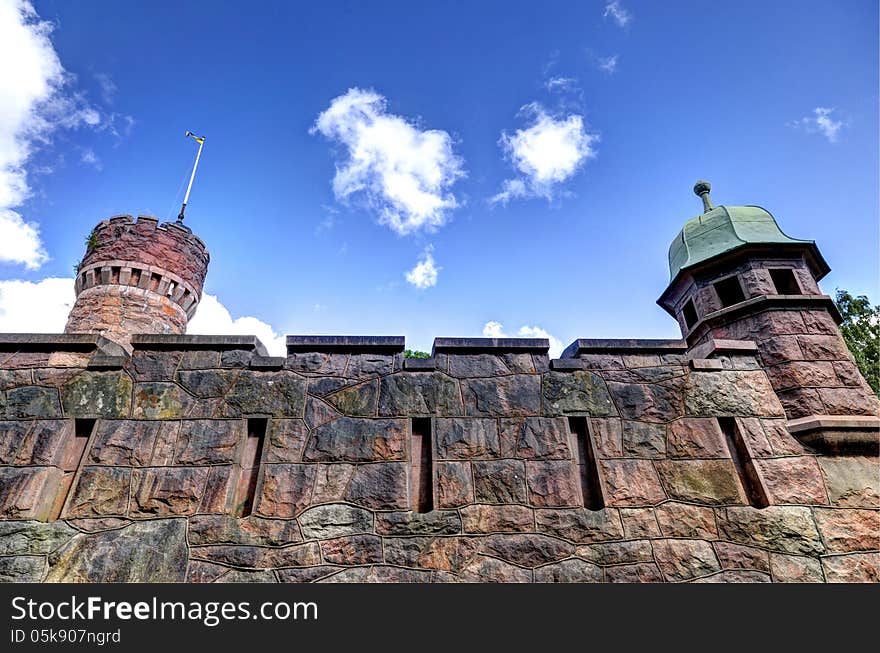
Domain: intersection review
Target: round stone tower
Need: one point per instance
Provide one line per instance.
(138, 277)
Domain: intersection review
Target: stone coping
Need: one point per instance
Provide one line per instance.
(491, 345)
(839, 434)
(59, 342)
(721, 347)
(623, 346)
(346, 344)
(178, 341)
(420, 364)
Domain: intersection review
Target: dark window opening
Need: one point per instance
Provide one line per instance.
(250, 466)
(421, 465)
(785, 282)
(588, 472)
(690, 314)
(743, 463)
(71, 458)
(729, 291)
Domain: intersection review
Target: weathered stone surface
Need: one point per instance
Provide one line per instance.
(277, 394)
(199, 571)
(31, 538)
(580, 525)
(200, 359)
(358, 440)
(357, 401)
(607, 437)
(852, 482)
(686, 520)
(43, 443)
(795, 569)
(647, 402)
(852, 568)
(285, 440)
(100, 491)
(821, 347)
(257, 557)
(156, 400)
(484, 569)
(536, 438)
(643, 572)
(22, 491)
(569, 571)
(685, 559)
(144, 552)
(739, 556)
(443, 553)
(253, 530)
(208, 383)
(755, 438)
(454, 484)
(553, 483)
(519, 394)
(154, 365)
(701, 481)
(419, 394)
(849, 529)
(164, 491)
(285, 490)
(334, 520)
(206, 442)
(631, 482)
(319, 412)
(97, 394)
(578, 393)
(730, 393)
(353, 550)
(463, 439)
(644, 439)
(849, 401)
(436, 522)
(497, 519)
(331, 482)
(32, 401)
(380, 574)
(361, 366)
(12, 435)
(242, 576)
(476, 365)
(381, 486)
(307, 574)
(617, 553)
(123, 442)
(802, 373)
(526, 550)
(737, 576)
(778, 528)
(22, 569)
(639, 522)
(793, 480)
(697, 437)
(500, 481)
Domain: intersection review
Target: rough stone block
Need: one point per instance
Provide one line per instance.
(552, 484)
(696, 437)
(631, 482)
(358, 440)
(500, 481)
(681, 560)
(357, 401)
(786, 529)
(206, 442)
(97, 394)
(381, 486)
(165, 491)
(648, 402)
(644, 439)
(285, 440)
(795, 569)
(701, 481)
(733, 393)
(849, 529)
(852, 568)
(580, 525)
(32, 401)
(516, 395)
(334, 520)
(686, 520)
(793, 480)
(497, 519)
(536, 438)
(415, 394)
(462, 439)
(436, 522)
(454, 484)
(852, 482)
(285, 490)
(578, 392)
(569, 571)
(99, 491)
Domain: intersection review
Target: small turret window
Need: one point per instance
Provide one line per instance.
(785, 282)
(729, 291)
(690, 314)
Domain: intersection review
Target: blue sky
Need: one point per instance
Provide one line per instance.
(526, 163)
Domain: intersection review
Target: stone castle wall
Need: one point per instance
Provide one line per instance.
(202, 459)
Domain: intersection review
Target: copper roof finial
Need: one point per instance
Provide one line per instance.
(701, 189)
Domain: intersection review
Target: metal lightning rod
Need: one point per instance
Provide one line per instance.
(201, 141)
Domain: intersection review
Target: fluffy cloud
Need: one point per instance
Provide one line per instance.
(560, 83)
(35, 307)
(424, 274)
(35, 100)
(404, 173)
(617, 13)
(494, 329)
(213, 318)
(545, 154)
(607, 64)
(821, 121)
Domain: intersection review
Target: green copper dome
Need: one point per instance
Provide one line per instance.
(721, 229)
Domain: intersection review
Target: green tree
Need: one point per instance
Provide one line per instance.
(414, 353)
(861, 331)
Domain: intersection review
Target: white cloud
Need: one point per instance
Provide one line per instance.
(35, 307)
(35, 100)
(213, 318)
(424, 274)
(494, 329)
(545, 154)
(617, 12)
(90, 158)
(560, 83)
(404, 173)
(821, 121)
(607, 64)
(20, 241)
(108, 88)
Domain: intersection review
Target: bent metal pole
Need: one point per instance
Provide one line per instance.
(201, 141)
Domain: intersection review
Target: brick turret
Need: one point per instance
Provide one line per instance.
(736, 276)
(138, 277)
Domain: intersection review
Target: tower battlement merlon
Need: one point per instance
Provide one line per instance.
(138, 277)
